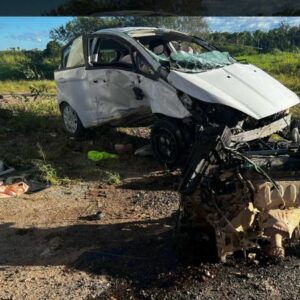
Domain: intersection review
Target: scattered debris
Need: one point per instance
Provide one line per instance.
(144, 151)
(4, 169)
(231, 191)
(36, 186)
(96, 155)
(13, 190)
(94, 217)
(53, 245)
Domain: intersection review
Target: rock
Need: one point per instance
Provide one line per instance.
(122, 148)
(55, 243)
(46, 253)
(144, 151)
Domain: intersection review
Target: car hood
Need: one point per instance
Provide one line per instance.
(241, 86)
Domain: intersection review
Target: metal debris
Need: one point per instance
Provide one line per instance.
(245, 200)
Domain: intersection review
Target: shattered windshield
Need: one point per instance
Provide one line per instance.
(185, 54)
(190, 62)
(195, 62)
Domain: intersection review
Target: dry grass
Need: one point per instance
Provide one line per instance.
(23, 86)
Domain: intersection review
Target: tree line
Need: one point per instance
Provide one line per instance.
(283, 38)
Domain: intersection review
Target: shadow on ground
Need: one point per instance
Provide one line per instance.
(139, 251)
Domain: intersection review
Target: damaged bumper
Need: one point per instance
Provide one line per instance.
(262, 132)
(249, 200)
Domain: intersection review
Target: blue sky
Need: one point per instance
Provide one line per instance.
(33, 32)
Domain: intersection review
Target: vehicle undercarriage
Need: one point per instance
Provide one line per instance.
(243, 186)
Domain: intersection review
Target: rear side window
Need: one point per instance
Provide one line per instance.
(65, 56)
(73, 54)
(110, 52)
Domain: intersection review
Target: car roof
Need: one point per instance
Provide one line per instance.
(126, 29)
(137, 31)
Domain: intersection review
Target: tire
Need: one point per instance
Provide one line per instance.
(167, 142)
(71, 121)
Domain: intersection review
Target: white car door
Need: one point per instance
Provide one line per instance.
(112, 80)
(161, 96)
(72, 84)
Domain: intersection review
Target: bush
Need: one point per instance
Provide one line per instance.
(27, 65)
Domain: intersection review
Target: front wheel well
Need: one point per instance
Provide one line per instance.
(62, 104)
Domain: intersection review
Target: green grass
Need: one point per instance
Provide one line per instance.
(33, 140)
(284, 66)
(23, 86)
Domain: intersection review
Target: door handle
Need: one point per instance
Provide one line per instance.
(95, 81)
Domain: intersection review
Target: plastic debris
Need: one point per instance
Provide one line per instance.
(96, 155)
(13, 190)
(144, 151)
(4, 169)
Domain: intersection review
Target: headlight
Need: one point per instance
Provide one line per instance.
(212, 112)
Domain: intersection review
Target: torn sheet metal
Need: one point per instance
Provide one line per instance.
(262, 132)
(242, 87)
(239, 199)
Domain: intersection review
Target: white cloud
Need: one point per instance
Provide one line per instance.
(36, 37)
(236, 24)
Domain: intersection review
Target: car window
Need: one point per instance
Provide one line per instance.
(142, 65)
(73, 54)
(110, 52)
(65, 56)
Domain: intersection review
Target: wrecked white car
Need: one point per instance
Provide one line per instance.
(213, 112)
(139, 76)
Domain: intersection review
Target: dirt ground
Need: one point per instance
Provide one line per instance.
(53, 248)
(85, 238)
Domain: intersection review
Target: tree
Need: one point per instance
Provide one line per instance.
(52, 49)
(81, 25)
(84, 25)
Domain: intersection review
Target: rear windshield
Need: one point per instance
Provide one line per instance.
(184, 53)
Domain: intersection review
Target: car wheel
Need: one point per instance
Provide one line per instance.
(167, 142)
(71, 121)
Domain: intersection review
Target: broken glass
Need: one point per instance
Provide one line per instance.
(195, 62)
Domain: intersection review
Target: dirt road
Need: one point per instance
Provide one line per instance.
(97, 241)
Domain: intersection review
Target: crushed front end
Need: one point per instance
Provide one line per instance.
(244, 187)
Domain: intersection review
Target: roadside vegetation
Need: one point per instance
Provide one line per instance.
(34, 142)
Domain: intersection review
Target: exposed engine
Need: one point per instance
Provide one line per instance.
(249, 198)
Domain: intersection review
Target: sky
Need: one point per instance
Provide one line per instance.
(33, 32)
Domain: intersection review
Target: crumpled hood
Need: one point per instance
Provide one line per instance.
(243, 87)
